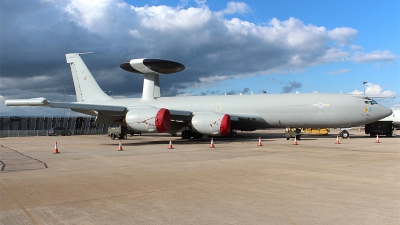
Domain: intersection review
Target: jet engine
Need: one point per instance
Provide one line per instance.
(214, 124)
(148, 119)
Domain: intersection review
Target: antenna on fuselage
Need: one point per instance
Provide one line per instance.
(152, 68)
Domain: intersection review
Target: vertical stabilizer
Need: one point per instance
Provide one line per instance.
(86, 87)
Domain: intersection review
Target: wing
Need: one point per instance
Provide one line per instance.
(111, 114)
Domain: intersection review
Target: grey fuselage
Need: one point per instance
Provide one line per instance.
(314, 110)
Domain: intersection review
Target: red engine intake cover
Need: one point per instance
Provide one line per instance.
(225, 126)
(163, 120)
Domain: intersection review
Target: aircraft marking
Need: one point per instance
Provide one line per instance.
(218, 107)
(321, 105)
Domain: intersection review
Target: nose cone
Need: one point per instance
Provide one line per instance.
(385, 112)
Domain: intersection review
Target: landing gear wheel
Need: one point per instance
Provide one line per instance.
(186, 134)
(344, 134)
(197, 136)
(112, 136)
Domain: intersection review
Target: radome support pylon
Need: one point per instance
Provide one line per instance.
(377, 139)
(212, 143)
(56, 148)
(295, 141)
(337, 140)
(170, 144)
(120, 146)
(259, 142)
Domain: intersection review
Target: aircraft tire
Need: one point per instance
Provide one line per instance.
(197, 136)
(186, 134)
(344, 134)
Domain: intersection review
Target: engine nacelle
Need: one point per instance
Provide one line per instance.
(214, 124)
(148, 119)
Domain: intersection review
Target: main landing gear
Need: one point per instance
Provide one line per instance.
(344, 134)
(187, 134)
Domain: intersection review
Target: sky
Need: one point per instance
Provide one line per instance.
(227, 47)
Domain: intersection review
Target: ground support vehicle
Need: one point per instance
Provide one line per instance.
(380, 128)
(119, 132)
(292, 132)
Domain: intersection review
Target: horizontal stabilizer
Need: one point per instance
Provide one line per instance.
(27, 102)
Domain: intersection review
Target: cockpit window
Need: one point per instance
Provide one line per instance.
(370, 102)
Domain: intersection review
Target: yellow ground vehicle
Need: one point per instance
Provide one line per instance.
(319, 131)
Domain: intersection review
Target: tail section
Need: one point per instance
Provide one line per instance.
(86, 87)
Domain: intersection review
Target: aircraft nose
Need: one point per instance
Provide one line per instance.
(385, 112)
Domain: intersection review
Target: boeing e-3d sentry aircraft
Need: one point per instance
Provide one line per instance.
(207, 115)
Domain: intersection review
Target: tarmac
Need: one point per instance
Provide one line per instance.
(237, 182)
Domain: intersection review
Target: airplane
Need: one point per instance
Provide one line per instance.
(217, 115)
(395, 117)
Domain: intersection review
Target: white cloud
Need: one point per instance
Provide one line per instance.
(375, 56)
(91, 14)
(165, 18)
(235, 7)
(343, 35)
(375, 90)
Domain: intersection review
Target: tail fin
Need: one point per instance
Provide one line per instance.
(86, 87)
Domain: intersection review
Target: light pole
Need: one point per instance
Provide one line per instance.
(64, 87)
(364, 82)
(112, 93)
(164, 93)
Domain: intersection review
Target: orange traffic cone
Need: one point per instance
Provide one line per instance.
(377, 139)
(259, 142)
(120, 146)
(394, 130)
(212, 143)
(295, 141)
(337, 140)
(56, 148)
(170, 144)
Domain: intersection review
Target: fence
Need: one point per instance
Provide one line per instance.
(17, 126)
